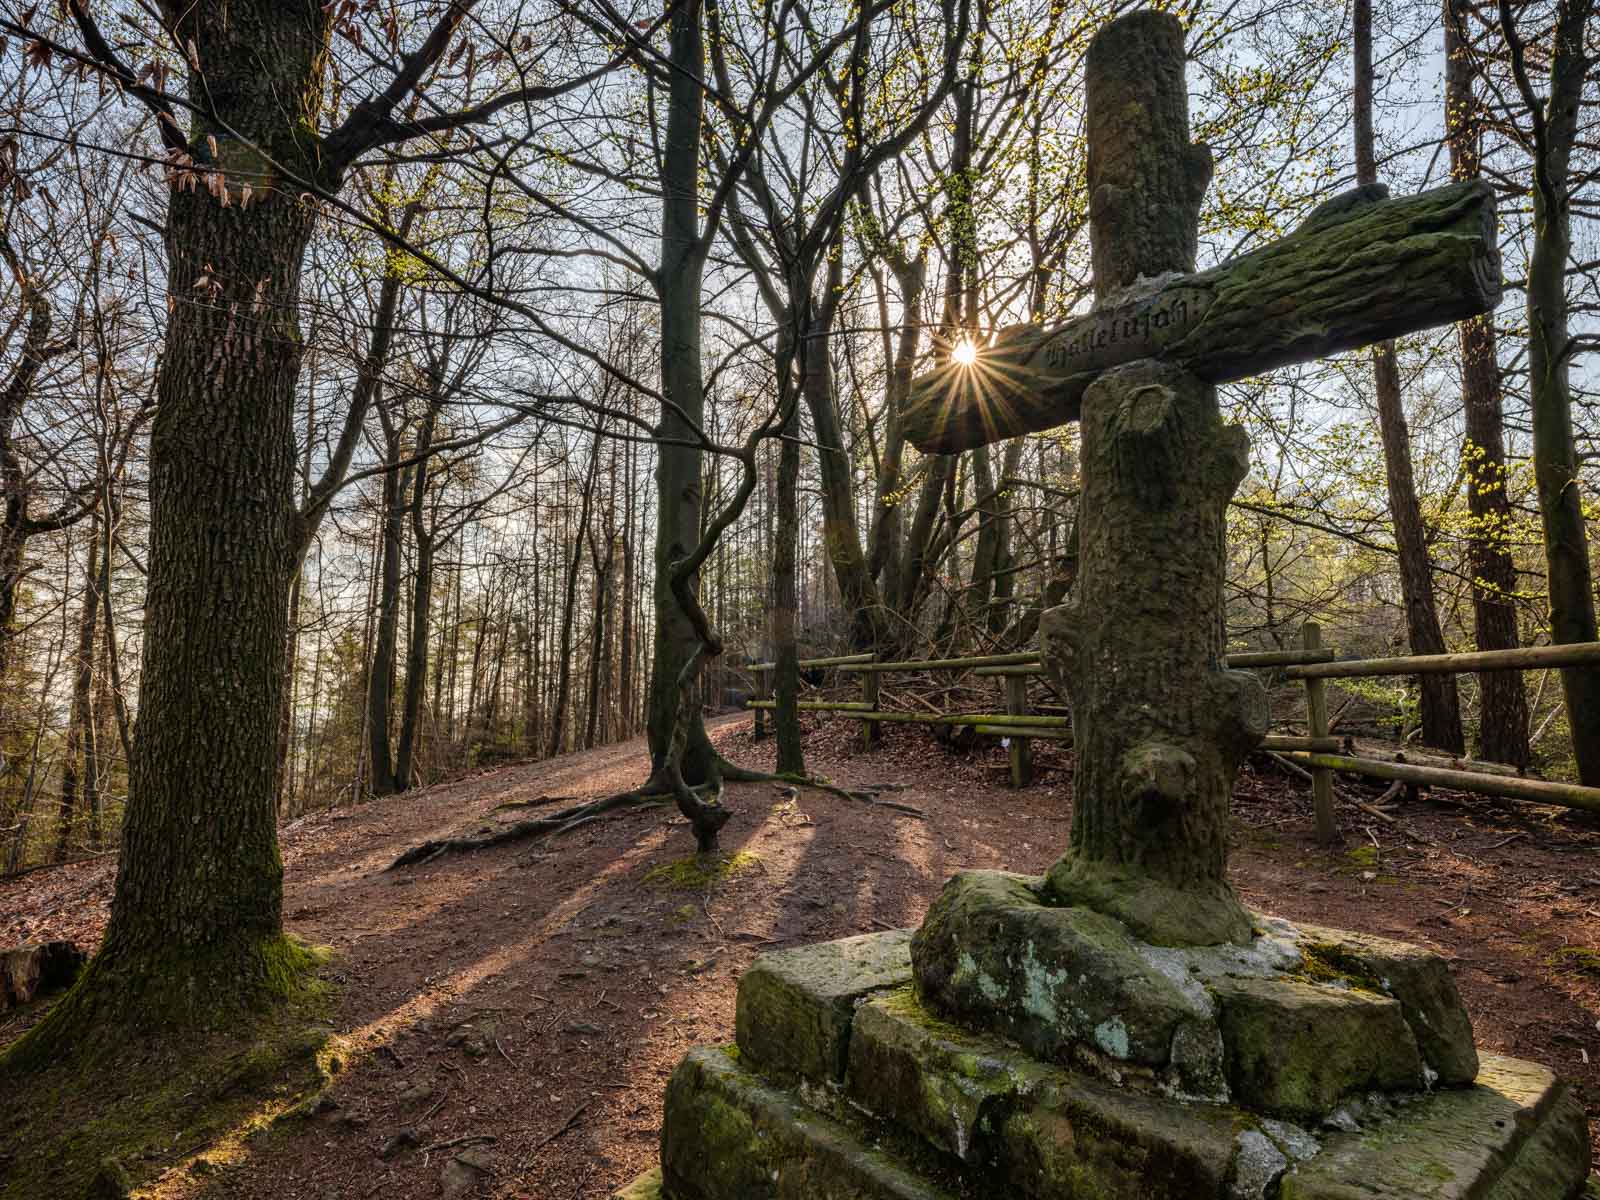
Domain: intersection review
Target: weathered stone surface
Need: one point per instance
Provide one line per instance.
(1049, 1132)
(947, 1085)
(728, 1135)
(1160, 727)
(1298, 1048)
(1518, 1135)
(1420, 980)
(992, 955)
(795, 1006)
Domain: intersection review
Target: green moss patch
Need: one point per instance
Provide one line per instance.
(1578, 958)
(699, 871)
(142, 1103)
(1363, 858)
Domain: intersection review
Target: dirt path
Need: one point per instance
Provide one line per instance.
(583, 979)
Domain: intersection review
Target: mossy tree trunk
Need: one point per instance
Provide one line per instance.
(196, 920)
(1160, 726)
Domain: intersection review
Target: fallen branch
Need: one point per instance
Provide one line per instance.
(1283, 762)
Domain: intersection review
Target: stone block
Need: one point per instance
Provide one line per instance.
(1519, 1134)
(1048, 1132)
(795, 1006)
(1296, 1049)
(727, 1134)
(993, 955)
(1419, 979)
(951, 1087)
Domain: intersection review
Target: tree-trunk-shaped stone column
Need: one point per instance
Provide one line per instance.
(1146, 179)
(1160, 726)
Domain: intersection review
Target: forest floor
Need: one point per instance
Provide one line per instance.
(583, 976)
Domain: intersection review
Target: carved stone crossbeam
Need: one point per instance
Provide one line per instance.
(1361, 268)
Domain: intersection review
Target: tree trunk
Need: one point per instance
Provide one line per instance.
(598, 629)
(196, 919)
(558, 713)
(1441, 707)
(1159, 726)
(678, 470)
(196, 924)
(785, 603)
(80, 721)
(381, 671)
(405, 770)
(887, 529)
(1555, 458)
(857, 591)
(1503, 698)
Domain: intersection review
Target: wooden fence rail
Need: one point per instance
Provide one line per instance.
(1317, 752)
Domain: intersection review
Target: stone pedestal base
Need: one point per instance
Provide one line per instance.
(1312, 1065)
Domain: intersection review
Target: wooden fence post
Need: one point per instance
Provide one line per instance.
(871, 731)
(1317, 726)
(1021, 747)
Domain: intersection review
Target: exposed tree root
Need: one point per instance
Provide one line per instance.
(536, 802)
(734, 773)
(554, 825)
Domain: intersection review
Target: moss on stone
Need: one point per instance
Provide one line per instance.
(699, 871)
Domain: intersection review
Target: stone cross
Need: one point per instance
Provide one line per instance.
(1160, 726)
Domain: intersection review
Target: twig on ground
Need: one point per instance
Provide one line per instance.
(471, 1139)
(565, 1128)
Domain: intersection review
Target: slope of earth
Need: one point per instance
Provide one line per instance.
(522, 1007)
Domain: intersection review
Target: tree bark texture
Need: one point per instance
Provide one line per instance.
(785, 606)
(857, 591)
(196, 918)
(1360, 269)
(1555, 457)
(1503, 697)
(678, 473)
(1160, 725)
(385, 643)
(423, 538)
(80, 721)
(558, 711)
(1439, 701)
